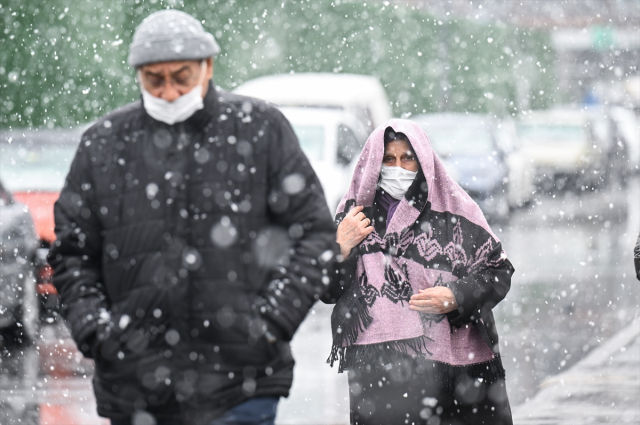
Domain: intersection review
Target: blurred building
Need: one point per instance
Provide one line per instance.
(597, 42)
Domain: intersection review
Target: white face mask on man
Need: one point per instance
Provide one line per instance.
(180, 109)
(396, 180)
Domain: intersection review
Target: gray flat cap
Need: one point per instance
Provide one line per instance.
(170, 35)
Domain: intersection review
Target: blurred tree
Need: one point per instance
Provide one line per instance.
(64, 63)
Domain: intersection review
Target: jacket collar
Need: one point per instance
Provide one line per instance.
(209, 111)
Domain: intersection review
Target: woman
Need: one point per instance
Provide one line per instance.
(420, 274)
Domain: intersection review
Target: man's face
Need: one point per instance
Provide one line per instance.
(170, 80)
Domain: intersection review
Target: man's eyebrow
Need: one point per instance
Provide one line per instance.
(161, 74)
(151, 73)
(186, 67)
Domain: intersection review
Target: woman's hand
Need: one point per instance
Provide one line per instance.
(352, 230)
(436, 300)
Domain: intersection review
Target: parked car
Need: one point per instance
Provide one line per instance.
(521, 184)
(627, 131)
(332, 140)
(33, 167)
(18, 242)
(468, 147)
(570, 148)
(362, 95)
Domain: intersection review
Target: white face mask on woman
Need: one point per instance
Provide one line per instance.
(396, 180)
(180, 109)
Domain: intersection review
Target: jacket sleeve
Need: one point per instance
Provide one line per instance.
(636, 257)
(298, 207)
(76, 255)
(478, 293)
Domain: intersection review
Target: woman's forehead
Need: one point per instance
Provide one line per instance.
(398, 144)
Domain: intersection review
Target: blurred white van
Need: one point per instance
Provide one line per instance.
(570, 148)
(362, 95)
(332, 140)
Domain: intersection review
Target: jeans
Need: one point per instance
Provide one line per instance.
(144, 419)
(256, 411)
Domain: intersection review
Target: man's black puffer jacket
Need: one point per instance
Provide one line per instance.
(188, 255)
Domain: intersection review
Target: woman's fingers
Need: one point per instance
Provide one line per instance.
(353, 229)
(431, 307)
(362, 232)
(364, 223)
(358, 219)
(426, 310)
(441, 292)
(355, 210)
(421, 296)
(436, 300)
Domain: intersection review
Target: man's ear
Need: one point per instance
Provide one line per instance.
(209, 68)
(139, 75)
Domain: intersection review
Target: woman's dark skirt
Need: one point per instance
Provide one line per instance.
(421, 392)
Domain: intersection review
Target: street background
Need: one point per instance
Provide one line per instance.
(63, 65)
(573, 289)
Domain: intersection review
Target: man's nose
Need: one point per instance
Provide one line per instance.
(170, 93)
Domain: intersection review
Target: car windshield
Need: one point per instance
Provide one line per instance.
(551, 133)
(36, 168)
(311, 139)
(460, 141)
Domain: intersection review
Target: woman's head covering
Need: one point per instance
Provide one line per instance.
(443, 193)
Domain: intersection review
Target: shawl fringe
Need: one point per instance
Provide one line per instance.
(355, 319)
(381, 353)
(360, 319)
(393, 351)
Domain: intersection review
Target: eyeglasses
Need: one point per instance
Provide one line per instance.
(182, 80)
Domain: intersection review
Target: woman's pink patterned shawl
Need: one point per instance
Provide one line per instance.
(431, 240)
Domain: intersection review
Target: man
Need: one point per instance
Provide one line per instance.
(192, 239)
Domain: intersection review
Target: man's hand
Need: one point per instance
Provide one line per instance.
(436, 300)
(352, 230)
